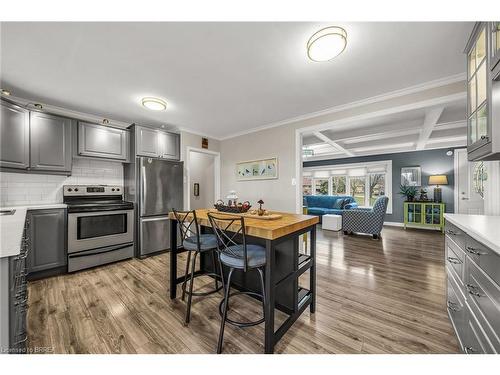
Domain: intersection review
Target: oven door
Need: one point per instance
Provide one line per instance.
(91, 230)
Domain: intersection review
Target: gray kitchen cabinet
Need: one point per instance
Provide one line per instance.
(14, 136)
(483, 93)
(146, 142)
(169, 146)
(473, 293)
(47, 233)
(102, 141)
(50, 139)
(156, 143)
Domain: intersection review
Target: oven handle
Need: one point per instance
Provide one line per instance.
(104, 251)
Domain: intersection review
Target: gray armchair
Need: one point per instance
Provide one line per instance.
(366, 220)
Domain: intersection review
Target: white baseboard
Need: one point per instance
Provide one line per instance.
(393, 224)
(401, 225)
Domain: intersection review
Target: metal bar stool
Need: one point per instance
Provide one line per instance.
(196, 243)
(237, 256)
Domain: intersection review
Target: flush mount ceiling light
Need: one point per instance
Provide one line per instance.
(326, 44)
(155, 104)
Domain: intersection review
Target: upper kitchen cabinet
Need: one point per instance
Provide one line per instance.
(495, 46)
(14, 136)
(169, 145)
(483, 117)
(103, 142)
(156, 143)
(50, 143)
(146, 142)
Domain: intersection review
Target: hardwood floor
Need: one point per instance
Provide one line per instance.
(384, 296)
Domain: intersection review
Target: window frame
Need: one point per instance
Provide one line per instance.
(387, 179)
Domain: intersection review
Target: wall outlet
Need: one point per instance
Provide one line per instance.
(294, 181)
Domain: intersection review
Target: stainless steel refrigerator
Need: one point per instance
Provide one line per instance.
(155, 186)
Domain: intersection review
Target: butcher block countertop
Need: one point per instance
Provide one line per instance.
(267, 229)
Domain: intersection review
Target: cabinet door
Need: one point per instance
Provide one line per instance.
(495, 44)
(14, 136)
(169, 145)
(147, 142)
(101, 141)
(50, 139)
(47, 232)
(478, 103)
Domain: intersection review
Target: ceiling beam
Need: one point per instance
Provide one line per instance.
(332, 143)
(430, 121)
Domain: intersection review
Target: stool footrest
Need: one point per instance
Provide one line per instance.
(241, 324)
(201, 294)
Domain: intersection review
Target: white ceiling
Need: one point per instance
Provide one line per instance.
(218, 78)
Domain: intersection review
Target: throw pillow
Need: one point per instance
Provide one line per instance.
(339, 203)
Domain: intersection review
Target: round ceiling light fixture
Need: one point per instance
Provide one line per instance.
(326, 44)
(154, 104)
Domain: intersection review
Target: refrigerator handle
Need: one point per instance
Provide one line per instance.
(143, 186)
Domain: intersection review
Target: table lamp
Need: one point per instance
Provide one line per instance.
(438, 179)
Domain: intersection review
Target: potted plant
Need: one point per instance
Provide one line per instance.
(409, 192)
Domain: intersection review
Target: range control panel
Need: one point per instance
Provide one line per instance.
(86, 190)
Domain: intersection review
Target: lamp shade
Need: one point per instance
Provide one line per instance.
(438, 179)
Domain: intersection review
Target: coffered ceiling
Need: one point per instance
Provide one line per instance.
(420, 129)
(219, 78)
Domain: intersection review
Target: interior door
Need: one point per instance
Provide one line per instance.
(469, 200)
(161, 186)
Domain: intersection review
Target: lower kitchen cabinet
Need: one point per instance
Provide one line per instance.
(473, 293)
(47, 232)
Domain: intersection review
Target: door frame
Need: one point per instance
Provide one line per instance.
(456, 200)
(217, 166)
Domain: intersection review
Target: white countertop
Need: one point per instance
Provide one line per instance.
(11, 227)
(485, 229)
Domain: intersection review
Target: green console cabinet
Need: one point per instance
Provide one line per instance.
(424, 214)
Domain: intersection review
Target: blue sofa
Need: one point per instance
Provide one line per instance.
(328, 204)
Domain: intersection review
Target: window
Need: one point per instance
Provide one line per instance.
(338, 185)
(357, 189)
(321, 186)
(365, 182)
(307, 186)
(377, 186)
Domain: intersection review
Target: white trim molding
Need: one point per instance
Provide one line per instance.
(359, 103)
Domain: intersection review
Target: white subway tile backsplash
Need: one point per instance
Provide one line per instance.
(26, 188)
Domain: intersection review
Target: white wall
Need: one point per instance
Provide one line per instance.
(280, 142)
(492, 189)
(201, 171)
(24, 188)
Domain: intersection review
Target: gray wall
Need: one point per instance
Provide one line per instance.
(431, 161)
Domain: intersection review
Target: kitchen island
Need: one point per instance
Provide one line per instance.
(286, 261)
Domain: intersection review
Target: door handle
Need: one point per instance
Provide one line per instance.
(473, 251)
(472, 289)
(452, 306)
(465, 198)
(454, 260)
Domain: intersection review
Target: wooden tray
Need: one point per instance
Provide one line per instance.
(271, 216)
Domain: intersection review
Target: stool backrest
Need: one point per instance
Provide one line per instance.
(227, 230)
(188, 225)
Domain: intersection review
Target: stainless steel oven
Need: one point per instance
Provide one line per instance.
(100, 225)
(90, 230)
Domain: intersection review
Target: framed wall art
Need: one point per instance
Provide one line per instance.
(261, 169)
(411, 176)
